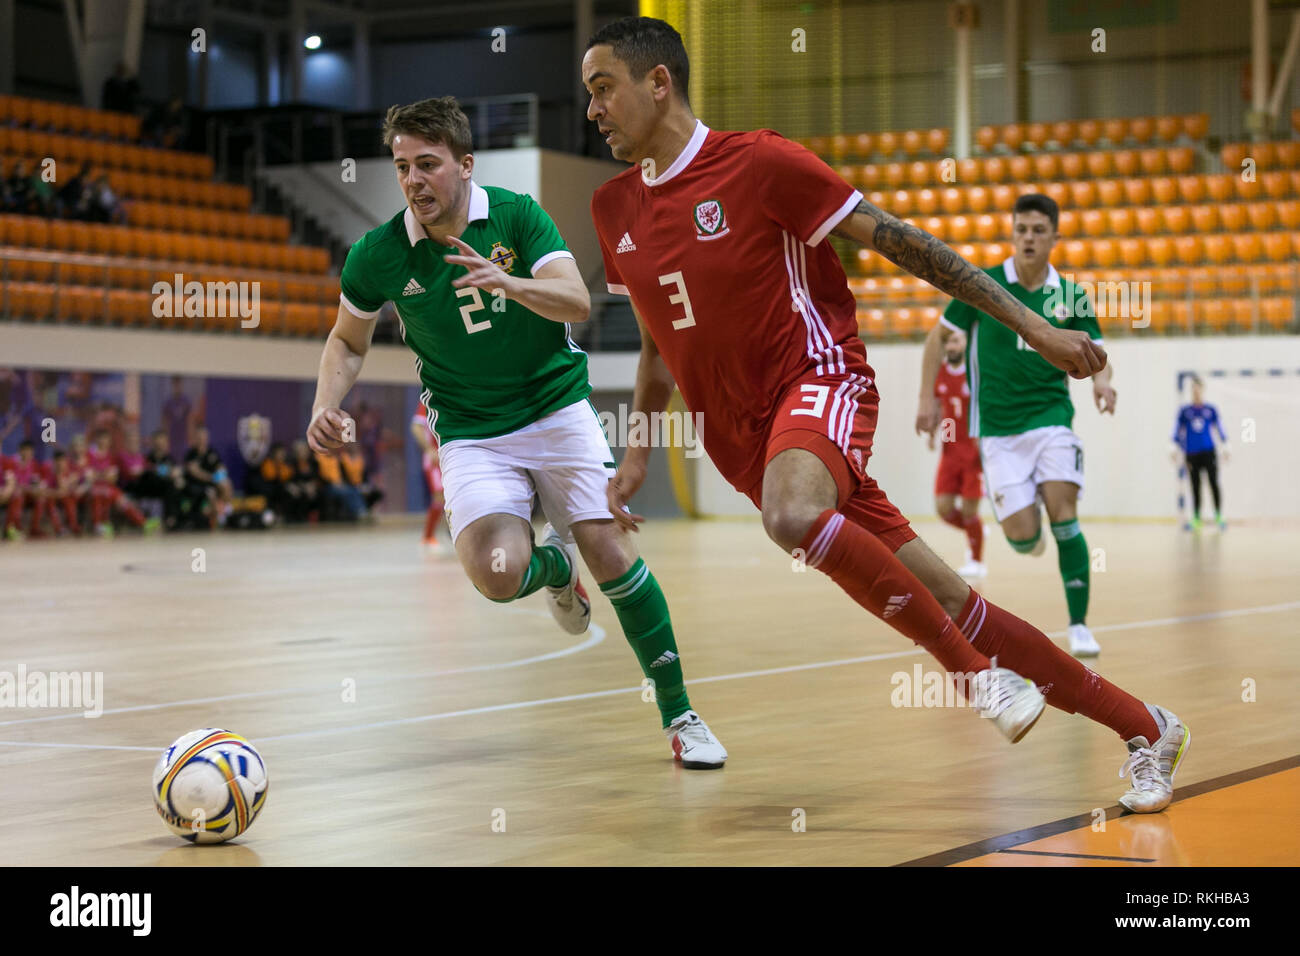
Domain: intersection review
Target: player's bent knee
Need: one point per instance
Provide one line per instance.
(497, 585)
(788, 524)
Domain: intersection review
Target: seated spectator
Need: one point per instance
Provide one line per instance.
(73, 198)
(121, 92)
(104, 205)
(165, 126)
(343, 501)
(356, 474)
(271, 481)
(20, 188)
(207, 474)
(41, 200)
(8, 492)
(165, 477)
(304, 488)
(7, 203)
(81, 480)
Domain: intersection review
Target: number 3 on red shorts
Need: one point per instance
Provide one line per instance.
(814, 395)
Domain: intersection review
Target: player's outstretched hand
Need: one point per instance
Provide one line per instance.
(1104, 396)
(482, 273)
(625, 483)
(1069, 350)
(927, 416)
(326, 431)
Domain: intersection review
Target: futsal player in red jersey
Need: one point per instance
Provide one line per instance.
(105, 495)
(424, 437)
(9, 491)
(959, 475)
(31, 488)
(718, 238)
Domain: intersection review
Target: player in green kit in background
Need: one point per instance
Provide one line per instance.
(485, 289)
(1021, 411)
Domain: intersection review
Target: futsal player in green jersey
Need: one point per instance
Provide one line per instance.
(1020, 408)
(485, 289)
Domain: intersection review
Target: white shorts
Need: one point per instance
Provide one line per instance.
(563, 458)
(1015, 465)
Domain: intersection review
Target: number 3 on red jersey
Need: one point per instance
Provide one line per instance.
(679, 298)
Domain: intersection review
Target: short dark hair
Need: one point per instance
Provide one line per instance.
(439, 120)
(60, 453)
(644, 43)
(26, 443)
(1037, 202)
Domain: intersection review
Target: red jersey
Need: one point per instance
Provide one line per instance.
(99, 463)
(27, 473)
(953, 392)
(130, 465)
(722, 256)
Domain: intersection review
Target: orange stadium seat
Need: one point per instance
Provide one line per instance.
(927, 202)
(1012, 135)
(1104, 252)
(887, 143)
(1088, 131)
(1068, 225)
(1232, 217)
(1020, 168)
(869, 177)
(1196, 125)
(1065, 132)
(1176, 218)
(1288, 213)
(1261, 215)
(1276, 183)
(1164, 190)
(1189, 249)
(1148, 220)
(1126, 162)
(995, 169)
(1217, 247)
(1153, 161)
(1278, 313)
(921, 173)
(913, 142)
(1168, 128)
(970, 170)
(986, 227)
(1046, 165)
(895, 174)
(986, 137)
(1142, 128)
(977, 199)
(1076, 253)
(1059, 192)
(1083, 193)
(1115, 130)
(1215, 314)
(821, 145)
(1072, 165)
(839, 147)
(1277, 246)
(1121, 221)
(1220, 188)
(1094, 222)
(1099, 164)
(1204, 219)
(863, 145)
(1132, 252)
(1003, 196)
(1247, 247)
(960, 228)
(937, 140)
(1288, 154)
(1137, 191)
(900, 203)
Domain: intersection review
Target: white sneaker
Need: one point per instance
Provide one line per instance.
(1082, 643)
(973, 569)
(570, 605)
(694, 744)
(1011, 701)
(1152, 768)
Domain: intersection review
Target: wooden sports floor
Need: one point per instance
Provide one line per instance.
(482, 734)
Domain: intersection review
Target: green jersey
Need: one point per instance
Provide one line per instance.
(488, 365)
(1013, 388)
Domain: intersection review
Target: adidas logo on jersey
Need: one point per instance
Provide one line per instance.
(412, 288)
(896, 604)
(625, 244)
(667, 657)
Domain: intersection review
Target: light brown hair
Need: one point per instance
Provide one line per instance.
(438, 120)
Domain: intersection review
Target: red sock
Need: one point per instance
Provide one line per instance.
(1065, 682)
(953, 518)
(431, 522)
(975, 536)
(133, 514)
(70, 506)
(870, 574)
(56, 521)
(15, 512)
(38, 515)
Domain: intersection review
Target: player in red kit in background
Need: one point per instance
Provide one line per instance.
(959, 461)
(432, 474)
(718, 239)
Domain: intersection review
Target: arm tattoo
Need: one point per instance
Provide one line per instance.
(926, 257)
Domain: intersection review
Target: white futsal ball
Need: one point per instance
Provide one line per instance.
(209, 786)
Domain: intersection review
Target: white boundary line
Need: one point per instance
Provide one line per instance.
(592, 695)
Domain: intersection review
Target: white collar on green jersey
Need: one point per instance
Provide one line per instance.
(478, 209)
(1009, 267)
(683, 158)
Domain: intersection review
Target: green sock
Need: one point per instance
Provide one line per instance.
(1072, 559)
(547, 568)
(643, 614)
(1025, 546)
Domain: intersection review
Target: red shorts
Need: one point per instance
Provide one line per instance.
(834, 417)
(960, 472)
